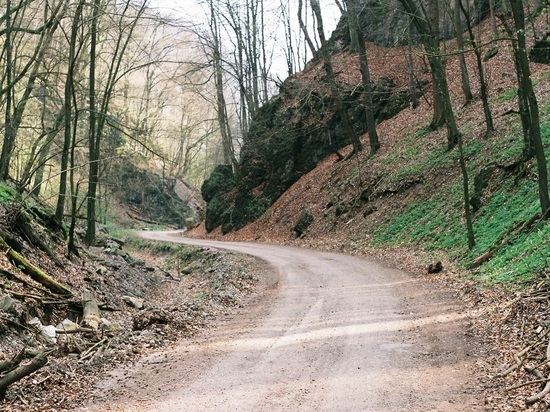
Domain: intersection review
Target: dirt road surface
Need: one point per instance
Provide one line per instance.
(331, 333)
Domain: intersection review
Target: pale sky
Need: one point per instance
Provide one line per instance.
(191, 8)
(193, 11)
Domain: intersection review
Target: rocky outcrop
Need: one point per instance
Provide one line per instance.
(288, 137)
(153, 198)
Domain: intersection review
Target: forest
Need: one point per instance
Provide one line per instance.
(416, 128)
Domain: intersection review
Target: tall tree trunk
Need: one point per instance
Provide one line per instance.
(482, 81)
(93, 144)
(525, 83)
(120, 47)
(410, 66)
(67, 115)
(290, 56)
(466, 193)
(432, 21)
(431, 44)
(221, 108)
(327, 64)
(263, 67)
(304, 29)
(353, 13)
(13, 120)
(9, 133)
(465, 77)
(454, 137)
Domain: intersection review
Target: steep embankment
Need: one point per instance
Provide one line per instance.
(300, 127)
(405, 204)
(410, 193)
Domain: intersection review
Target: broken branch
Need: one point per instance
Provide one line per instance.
(24, 370)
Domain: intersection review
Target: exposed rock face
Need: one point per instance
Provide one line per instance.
(288, 137)
(154, 198)
(386, 23)
(216, 192)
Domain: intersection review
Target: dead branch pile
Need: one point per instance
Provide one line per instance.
(531, 363)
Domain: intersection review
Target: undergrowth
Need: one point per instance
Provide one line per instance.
(436, 221)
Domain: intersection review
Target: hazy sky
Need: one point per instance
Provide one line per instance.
(193, 11)
(191, 8)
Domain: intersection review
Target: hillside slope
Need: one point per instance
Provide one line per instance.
(405, 206)
(411, 191)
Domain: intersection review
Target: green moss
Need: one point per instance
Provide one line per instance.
(304, 221)
(7, 193)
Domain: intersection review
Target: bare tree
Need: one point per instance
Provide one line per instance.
(331, 79)
(14, 115)
(459, 32)
(289, 52)
(454, 137)
(305, 30)
(528, 103)
(126, 23)
(214, 45)
(482, 81)
(68, 105)
(354, 10)
(424, 26)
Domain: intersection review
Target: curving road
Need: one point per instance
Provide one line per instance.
(337, 333)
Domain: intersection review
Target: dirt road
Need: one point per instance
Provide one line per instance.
(335, 333)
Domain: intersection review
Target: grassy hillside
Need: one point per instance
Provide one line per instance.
(505, 196)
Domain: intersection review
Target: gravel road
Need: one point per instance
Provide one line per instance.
(332, 333)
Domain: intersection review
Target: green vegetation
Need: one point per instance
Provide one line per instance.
(508, 95)
(304, 221)
(7, 193)
(509, 198)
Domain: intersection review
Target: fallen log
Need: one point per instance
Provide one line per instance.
(91, 314)
(24, 370)
(6, 365)
(504, 240)
(24, 223)
(35, 272)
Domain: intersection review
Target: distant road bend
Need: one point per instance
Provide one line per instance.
(338, 333)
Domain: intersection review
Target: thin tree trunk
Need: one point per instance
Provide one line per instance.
(482, 80)
(94, 154)
(465, 77)
(353, 13)
(431, 45)
(438, 118)
(13, 121)
(93, 165)
(466, 193)
(67, 107)
(410, 64)
(327, 64)
(9, 134)
(43, 155)
(223, 123)
(304, 29)
(526, 84)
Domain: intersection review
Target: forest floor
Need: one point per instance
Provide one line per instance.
(149, 299)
